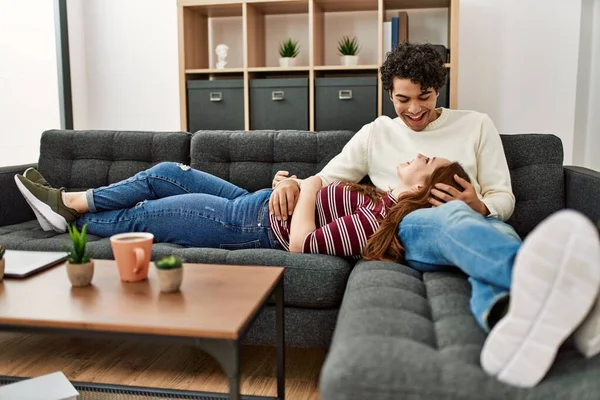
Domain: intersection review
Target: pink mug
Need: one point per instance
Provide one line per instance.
(132, 252)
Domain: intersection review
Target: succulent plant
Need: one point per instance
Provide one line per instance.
(169, 262)
(1, 251)
(348, 47)
(289, 48)
(78, 253)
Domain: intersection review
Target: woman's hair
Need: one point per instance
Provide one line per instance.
(421, 63)
(384, 244)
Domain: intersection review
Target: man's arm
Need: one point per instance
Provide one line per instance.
(493, 174)
(352, 164)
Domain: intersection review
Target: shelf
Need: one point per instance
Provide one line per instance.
(254, 29)
(271, 23)
(214, 71)
(217, 11)
(278, 69)
(408, 4)
(280, 7)
(346, 68)
(346, 5)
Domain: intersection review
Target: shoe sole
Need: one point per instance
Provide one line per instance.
(555, 283)
(43, 211)
(41, 220)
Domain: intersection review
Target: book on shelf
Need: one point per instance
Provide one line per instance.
(399, 29)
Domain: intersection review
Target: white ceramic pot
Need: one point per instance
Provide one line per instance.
(80, 274)
(286, 62)
(2, 262)
(169, 280)
(349, 60)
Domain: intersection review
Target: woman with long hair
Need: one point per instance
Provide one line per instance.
(189, 207)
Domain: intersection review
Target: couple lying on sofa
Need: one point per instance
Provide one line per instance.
(429, 213)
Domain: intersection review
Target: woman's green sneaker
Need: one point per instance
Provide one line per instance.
(34, 176)
(47, 202)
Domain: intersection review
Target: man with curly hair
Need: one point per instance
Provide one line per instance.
(529, 296)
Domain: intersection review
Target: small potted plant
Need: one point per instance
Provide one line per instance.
(170, 273)
(288, 50)
(1, 262)
(348, 50)
(79, 266)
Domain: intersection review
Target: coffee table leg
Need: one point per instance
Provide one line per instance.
(234, 373)
(280, 340)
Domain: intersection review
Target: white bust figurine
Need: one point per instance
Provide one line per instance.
(221, 51)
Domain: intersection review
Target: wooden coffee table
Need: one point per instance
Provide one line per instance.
(214, 309)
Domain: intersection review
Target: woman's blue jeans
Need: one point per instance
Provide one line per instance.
(182, 205)
(453, 234)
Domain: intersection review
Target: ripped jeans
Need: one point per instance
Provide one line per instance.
(182, 205)
(453, 234)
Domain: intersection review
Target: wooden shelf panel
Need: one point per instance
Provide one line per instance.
(447, 65)
(214, 71)
(278, 69)
(345, 68)
(408, 4)
(280, 7)
(346, 5)
(221, 10)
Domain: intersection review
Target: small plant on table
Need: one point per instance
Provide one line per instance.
(80, 268)
(170, 273)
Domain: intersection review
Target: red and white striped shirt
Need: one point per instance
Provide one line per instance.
(345, 220)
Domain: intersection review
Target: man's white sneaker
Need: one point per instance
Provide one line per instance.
(555, 280)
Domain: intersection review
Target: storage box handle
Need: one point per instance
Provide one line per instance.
(277, 95)
(345, 94)
(216, 96)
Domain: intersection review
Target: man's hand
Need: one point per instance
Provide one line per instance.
(279, 176)
(283, 199)
(447, 193)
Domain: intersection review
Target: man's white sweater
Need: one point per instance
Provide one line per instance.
(468, 137)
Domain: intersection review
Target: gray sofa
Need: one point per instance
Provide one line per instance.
(399, 334)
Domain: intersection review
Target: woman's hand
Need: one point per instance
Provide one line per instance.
(446, 193)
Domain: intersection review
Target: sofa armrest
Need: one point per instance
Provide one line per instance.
(13, 207)
(582, 191)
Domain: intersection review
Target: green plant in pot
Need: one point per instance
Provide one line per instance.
(348, 49)
(1, 262)
(288, 51)
(80, 268)
(170, 273)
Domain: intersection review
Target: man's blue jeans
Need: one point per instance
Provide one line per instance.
(453, 234)
(182, 205)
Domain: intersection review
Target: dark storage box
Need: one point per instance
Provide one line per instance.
(216, 104)
(279, 103)
(345, 103)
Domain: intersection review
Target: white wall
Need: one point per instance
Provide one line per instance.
(130, 56)
(29, 101)
(592, 134)
(518, 62)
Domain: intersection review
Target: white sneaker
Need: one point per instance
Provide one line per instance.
(555, 280)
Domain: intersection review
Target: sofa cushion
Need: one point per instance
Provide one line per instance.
(403, 334)
(536, 168)
(311, 281)
(80, 160)
(251, 159)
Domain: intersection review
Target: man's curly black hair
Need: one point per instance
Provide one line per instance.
(421, 63)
